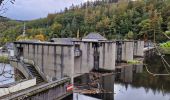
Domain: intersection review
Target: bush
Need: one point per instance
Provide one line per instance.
(164, 45)
(4, 59)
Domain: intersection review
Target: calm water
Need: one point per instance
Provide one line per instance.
(135, 83)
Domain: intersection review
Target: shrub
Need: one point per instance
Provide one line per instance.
(4, 59)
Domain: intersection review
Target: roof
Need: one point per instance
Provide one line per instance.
(95, 36)
(63, 40)
(43, 43)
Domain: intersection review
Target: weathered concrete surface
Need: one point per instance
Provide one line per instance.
(107, 56)
(17, 87)
(85, 62)
(127, 50)
(55, 90)
(55, 60)
(59, 60)
(138, 48)
(124, 51)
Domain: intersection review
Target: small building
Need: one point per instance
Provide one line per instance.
(92, 37)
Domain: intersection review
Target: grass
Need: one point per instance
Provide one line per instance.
(133, 62)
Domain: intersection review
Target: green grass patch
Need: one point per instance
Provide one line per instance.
(133, 62)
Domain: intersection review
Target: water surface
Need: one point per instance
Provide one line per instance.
(6, 74)
(135, 83)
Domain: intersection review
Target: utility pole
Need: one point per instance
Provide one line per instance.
(24, 30)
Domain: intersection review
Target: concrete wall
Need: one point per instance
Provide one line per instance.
(17, 87)
(138, 48)
(107, 56)
(85, 62)
(127, 50)
(54, 60)
(124, 51)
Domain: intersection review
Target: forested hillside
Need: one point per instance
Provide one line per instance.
(139, 19)
(9, 29)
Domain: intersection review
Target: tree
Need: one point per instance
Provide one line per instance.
(40, 37)
(74, 25)
(168, 26)
(56, 29)
(155, 23)
(21, 37)
(130, 35)
(144, 28)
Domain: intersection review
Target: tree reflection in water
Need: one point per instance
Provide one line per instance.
(135, 78)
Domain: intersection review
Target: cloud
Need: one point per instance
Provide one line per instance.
(33, 9)
(88, 0)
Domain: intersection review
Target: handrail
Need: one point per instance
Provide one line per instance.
(24, 70)
(45, 77)
(23, 64)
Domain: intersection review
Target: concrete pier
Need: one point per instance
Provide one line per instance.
(127, 50)
(124, 51)
(106, 56)
(138, 48)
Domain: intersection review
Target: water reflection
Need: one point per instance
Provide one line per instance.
(140, 93)
(106, 83)
(6, 74)
(134, 82)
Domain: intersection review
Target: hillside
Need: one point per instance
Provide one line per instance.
(9, 29)
(131, 20)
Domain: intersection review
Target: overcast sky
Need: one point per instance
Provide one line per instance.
(33, 9)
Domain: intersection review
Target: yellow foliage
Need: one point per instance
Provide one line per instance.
(21, 37)
(40, 37)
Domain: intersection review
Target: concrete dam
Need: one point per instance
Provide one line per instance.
(58, 62)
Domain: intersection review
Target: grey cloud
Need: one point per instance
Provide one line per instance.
(33, 9)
